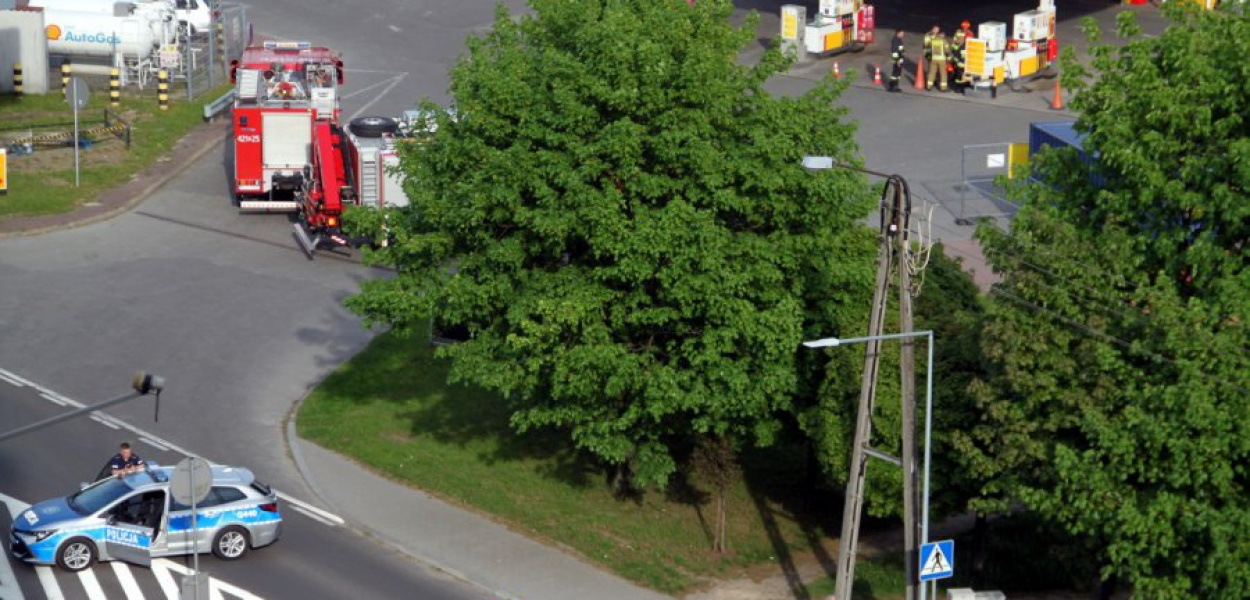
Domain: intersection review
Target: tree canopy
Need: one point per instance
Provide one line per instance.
(620, 220)
(1118, 393)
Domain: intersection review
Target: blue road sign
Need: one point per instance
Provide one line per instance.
(937, 560)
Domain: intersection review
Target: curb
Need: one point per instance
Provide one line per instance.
(293, 447)
(161, 179)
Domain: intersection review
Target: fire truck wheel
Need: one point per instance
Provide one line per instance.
(372, 127)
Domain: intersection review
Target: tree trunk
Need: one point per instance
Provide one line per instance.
(980, 543)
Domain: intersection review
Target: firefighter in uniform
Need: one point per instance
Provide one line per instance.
(958, 46)
(928, 39)
(939, 49)
(896, 56)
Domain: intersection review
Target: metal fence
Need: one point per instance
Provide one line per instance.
(980, 194)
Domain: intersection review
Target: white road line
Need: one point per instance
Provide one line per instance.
(165, 580)
(217, 587)
(47, 579)
(53, 398)
(365, 89)
(311, 515)
(98, 418)
(13, 376)
(337, 520)
(394, 82)
(9, 589)
(129, 585)
(153, 443)
(5, 378)
(92, 585)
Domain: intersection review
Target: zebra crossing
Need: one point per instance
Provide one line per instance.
(115, 581)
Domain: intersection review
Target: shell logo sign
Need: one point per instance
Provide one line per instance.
(53, 31)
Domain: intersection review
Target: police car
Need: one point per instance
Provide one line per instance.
(134, 518)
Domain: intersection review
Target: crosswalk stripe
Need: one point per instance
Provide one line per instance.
(92, 585)
(47, 579)
(127, 579)
(165, 579)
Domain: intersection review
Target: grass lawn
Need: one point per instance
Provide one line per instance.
(391, 409)
(43, 183)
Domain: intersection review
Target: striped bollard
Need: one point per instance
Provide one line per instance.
(66, 72)
(162, 88)
(221, 43)
(17, 79)
(115, 87)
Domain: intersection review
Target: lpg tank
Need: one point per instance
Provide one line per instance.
(75, 33)
(159, 15)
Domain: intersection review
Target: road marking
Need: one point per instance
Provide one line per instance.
(153, 443)
(217, 587)
(365, 89)
(98, 418)
(127, 579)
(10, 375)
(394, 82)
(52, 398)
(337, 520)
(4, 377)
(311, 515)
(48, 580)
(9, 589)
(92, 585)
(165, 580)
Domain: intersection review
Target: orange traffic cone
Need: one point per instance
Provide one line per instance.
(837, 73)
(1057, 102)
(876, 78)
(920, 75)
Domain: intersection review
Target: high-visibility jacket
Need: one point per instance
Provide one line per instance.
(938, 47)
(928, 41)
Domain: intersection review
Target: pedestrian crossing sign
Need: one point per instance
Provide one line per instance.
(937, 560)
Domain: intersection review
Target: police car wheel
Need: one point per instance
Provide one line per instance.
(76, 554)
(230, 543)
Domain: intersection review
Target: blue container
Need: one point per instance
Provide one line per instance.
(1061, 134)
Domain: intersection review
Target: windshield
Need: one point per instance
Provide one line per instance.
(98, 496)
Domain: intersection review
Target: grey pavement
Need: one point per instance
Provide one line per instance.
(456, 540)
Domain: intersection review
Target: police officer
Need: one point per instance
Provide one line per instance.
(125, 461)
(939, 49)
(896, 55)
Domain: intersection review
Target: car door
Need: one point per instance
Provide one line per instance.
(128, 531)
(205, 523)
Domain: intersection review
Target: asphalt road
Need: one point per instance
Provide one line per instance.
(241, 324)
(317, 556)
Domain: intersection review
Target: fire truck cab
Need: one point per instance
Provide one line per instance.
(282, 90)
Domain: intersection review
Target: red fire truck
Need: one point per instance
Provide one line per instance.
(281, 90)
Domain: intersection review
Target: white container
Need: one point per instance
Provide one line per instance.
(995, 35)
(160, 15)
(93, 34)
(1031, 26)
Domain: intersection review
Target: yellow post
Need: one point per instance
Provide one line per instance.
(221, 43)
(162, 88)
(115, 87)
(66, 72)
(17, 79)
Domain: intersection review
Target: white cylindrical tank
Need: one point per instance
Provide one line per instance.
(93, 34)
(159, 15)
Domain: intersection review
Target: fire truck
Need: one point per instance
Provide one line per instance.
(281, 90)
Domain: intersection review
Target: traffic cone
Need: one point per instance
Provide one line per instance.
(876, 78)
(837, 73)
(920, 75)
(1057, 102)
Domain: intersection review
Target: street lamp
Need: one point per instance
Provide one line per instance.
(928, 413)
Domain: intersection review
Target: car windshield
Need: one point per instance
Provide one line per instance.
(93, 498)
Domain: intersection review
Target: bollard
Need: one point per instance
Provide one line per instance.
(221, 43)
(115, 87)
(66, 72)
(162, 88)
(17, 79)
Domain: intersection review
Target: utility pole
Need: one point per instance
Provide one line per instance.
(894, 252)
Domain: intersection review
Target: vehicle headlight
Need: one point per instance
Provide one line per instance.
(42, 535)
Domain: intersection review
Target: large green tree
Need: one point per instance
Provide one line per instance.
(1118, 404)
(620, 220)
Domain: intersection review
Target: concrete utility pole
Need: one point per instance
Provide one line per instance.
(894, 251)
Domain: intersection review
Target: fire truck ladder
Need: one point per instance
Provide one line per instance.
(368, 180)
